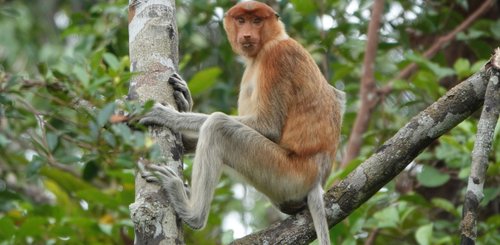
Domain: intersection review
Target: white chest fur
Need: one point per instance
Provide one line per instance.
(247, 101)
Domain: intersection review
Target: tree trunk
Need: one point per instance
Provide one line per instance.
(153, 42)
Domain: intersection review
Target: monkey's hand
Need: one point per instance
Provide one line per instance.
(160, 115)
(182, 95)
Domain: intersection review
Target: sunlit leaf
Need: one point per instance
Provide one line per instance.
(203, 80)
(304, 7)
(111, 60)
(462, 67)
(424, 234)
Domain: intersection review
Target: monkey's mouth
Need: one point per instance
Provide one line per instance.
(247, 45)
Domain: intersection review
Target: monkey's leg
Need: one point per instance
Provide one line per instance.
(260, 161)
(264, 164)
(207, 168)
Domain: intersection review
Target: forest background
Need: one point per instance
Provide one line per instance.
(67, 169)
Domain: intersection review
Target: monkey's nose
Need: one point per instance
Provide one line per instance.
(247, 36)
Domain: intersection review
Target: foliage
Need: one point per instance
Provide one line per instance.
(67, 165)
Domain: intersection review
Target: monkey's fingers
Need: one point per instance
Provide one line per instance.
(149, 120)
(156, 116)
(182, 93)
(163, 170)
(183, 105)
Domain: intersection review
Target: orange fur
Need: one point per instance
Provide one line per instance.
(312, 116)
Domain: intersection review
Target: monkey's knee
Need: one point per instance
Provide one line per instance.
(216, 122)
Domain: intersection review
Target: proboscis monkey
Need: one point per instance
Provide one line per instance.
(282, 142)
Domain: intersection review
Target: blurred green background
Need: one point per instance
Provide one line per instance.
(67, 173)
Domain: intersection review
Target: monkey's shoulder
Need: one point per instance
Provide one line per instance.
(284, 50)
(286, 58)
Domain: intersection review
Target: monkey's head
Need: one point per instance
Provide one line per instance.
(250, 25)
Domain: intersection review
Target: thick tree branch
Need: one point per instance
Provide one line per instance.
(368, 87)
(482, 147)
(385, 164)
(153, 42)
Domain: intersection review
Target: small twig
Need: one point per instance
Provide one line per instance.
(372, 237)
(482, 147)
(42, 140)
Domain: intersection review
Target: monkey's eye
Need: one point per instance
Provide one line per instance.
(240, 20)
(257, 20)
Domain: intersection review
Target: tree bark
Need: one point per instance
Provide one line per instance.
(392, 158)
(153, 42)
(482, 147)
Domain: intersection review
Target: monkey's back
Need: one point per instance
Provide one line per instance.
(313, 117)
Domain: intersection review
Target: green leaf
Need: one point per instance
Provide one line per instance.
(82, 75)
(4, 140)
(439, 70)
(52, 140)
(304, 7)
(34, 165)
(388, 217)
(203, 80)
(106, 229)
(7, 228)
(431, 177)
(445, 205)
(65, 180)
(462, 67)
(105, 114)
(112, 61)
(32, 226)
(424, 234)
(109, 138)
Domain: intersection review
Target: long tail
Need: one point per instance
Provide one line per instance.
(318, 213)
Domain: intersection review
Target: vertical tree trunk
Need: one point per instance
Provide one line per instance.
(153, 43)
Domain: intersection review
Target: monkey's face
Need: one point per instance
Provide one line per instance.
(248, 34)
(249, 25)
